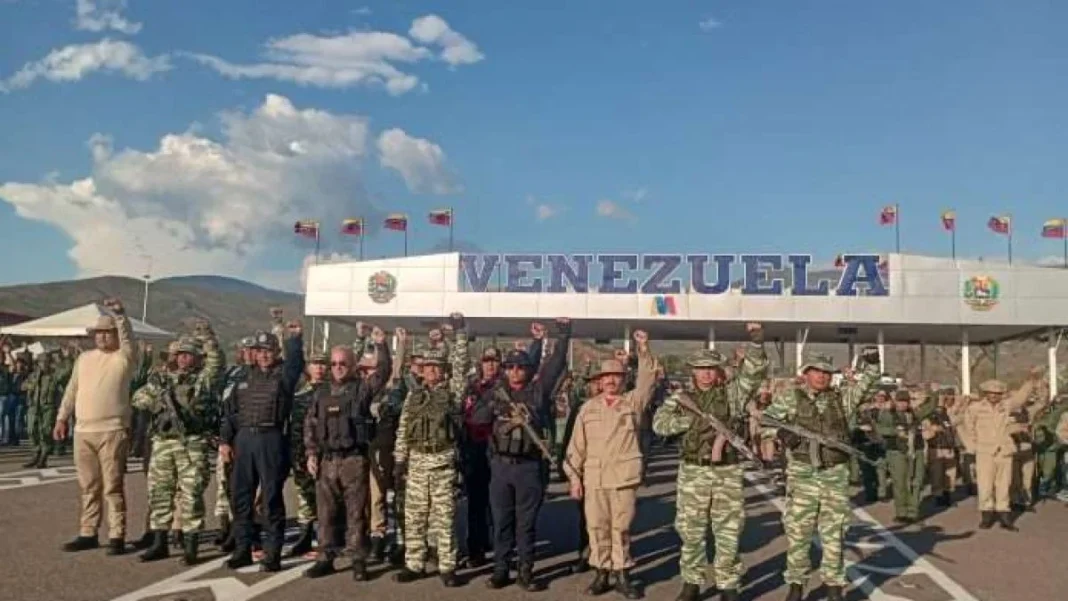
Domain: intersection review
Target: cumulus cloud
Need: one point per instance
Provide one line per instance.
(200, 205)
(455, 48)
(74, 62)
(101, 15)
(357, 58)
(544, 211)
(611, 210)
(419, 161)
(709, 24)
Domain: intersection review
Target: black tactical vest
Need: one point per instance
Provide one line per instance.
(338, 429)
(515, 442)
(259, 405)
(831, 423)
(431, 423)
(697, 448)
(386, 426)
(944, 439)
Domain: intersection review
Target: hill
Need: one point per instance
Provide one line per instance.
(236, 308)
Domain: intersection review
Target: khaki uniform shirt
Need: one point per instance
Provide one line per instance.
(988, 425)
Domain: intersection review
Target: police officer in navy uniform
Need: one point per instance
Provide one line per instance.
(255, 438)
(517, 483)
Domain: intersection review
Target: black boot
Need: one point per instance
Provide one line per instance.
(581, 566)
(689, 592)
(986, 520)
(1005, 521)
(404, 576)
(449, 580)
(378, 550)
(158, 550)
(625, 586)
(116, 546)
(272, 561)
(324, 566)
(730, 594)
(600, 584)
(834, 593)
(525, 579)
(498, 580)
(177, 539)
(396, 556)
(795, 593)
(242, 558)
(224, 531)
(189, 549)
(82, 543)
(359, 570)
(32, 463)
(42, 463)
(304, 543)
(145, 541)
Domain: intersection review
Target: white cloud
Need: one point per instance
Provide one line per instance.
(101, 15)
(709, 24)
(419, 161)
(543, 212)
(610, 210)
(636, 195)
(357, 58)
(455, 48)
(199, 205)
(74, 62)
(362, 11)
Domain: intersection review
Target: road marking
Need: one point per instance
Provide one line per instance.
(855, 570)
(48, 475)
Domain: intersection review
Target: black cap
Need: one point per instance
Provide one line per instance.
(516, 357)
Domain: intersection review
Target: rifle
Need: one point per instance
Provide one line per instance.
(170, 405)
(736, 441)
(817, 440)
(523, 412)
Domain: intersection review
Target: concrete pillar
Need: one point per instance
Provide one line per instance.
(880, 339)
(965, 363)
(626, 338)
(326, 336)
(393, 341)
(994, 357)
(851, 350)
(1051, 351)
(802, 338)
(711, 338)
(780, 348)
(923, 362)
(571, 354)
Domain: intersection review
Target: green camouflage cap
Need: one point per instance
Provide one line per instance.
(318, 357)
(707, 358)
(418, 351)
(434, 357)
(187, 345)
(820, 362)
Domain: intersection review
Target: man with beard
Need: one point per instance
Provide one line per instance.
(711, 475)
(515, 409)
(255, 438)
(338, 430)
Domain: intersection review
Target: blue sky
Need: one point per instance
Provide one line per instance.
(699, 126)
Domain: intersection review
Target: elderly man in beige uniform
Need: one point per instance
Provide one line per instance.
(604, 465)
(99, 395)
(988, 435)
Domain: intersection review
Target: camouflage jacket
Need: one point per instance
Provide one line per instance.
(193, 394)
(459, 362)
(44, 388)
(783, 406)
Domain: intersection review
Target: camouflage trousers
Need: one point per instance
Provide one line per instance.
(710, 497)
(430, 510)
(817, 500)
(178, 465)
(305, 485)
(39, 423)
(222, 494)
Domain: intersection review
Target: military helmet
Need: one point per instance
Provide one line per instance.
(265, 340)
(491, 354)
(516, 357)
(707, 358)
(319, 357)
(903, 396)
(172, 348)
(818, 361)
(418, 351)
(435, 357)
(186, 345)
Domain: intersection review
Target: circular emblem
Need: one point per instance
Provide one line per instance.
(382, 287)
(981, 292)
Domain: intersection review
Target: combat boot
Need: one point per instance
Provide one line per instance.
(304, 543)
(1005, 521)
(324, 566)
(158, 550)
(689, 592)
(404, 576)
(498, 580)
(449, 579)
(32, 463)
(600, 584)
(626, 587)
(116, 546)
(396, 556)
(986, 520)
(242, 558)
(359, 570)
(581, 566)
(834, 593)
(43, 463)
(525, 579)
(82, 543)
(224, 531)
(378, 550)
(730, 594)
(272, 561)
(795, 593)
(189, 549)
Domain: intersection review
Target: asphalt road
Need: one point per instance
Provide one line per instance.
(943, 558)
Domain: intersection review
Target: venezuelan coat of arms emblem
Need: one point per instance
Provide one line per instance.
(382, 287)
(981, 292)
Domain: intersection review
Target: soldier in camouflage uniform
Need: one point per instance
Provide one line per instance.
(710, 480)
(426, 457)
(905, 454)
(817, 485)
(223, 510)
(184, 408)
(1048, 446)
(314, 378)
(44, 391)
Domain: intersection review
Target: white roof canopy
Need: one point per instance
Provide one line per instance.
(73, 323)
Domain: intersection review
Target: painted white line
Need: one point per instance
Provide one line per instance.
(854, 570)
(48, 475)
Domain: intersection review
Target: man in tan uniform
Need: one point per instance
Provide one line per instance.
(604, 466)
(987, 435)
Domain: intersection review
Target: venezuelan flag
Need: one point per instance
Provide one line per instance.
(1054, 228)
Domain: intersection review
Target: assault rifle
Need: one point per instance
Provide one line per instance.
(521, 410)
(817, 440)
(174, 417)
(686, 404)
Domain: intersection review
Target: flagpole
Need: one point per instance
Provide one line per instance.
(452, 221)
(1064, 238)
(1010, 238)
(318, 230)
(361, 241)
(897, 228)
(953, 239)
(406, 238)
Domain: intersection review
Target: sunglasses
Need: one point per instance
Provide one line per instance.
(338, 364)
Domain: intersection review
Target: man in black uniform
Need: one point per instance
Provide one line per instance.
(517, 483)
(255, 437)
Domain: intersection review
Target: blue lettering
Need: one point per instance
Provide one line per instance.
(723, 273)
(851, 276)
(800, 287)
(754, 274)
(609, 274)
(655, 283)
(474, 279)
(518, 272)
(578, 276)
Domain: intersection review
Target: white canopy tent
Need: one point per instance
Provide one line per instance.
(74, 323)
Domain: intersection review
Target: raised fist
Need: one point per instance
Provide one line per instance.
(276, 312)
(870, 354)
(294, 327)
(620, 354)
(401, 334)
(641, 338)
(362, 329)
(114, 305)
(378, 335)
(755, 331)
(435, 335)
(537, 330)
(457, 320)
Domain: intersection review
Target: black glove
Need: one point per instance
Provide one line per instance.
(457, 321)
(789, 439)
(563, 327)
(870, 355)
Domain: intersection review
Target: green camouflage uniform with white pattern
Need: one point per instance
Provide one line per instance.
(711, 495)
(817, 496)
(302, 480)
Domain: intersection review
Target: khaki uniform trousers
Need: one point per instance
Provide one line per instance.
(100, 460)
(994, 480)
(381, 482)
(609, 514)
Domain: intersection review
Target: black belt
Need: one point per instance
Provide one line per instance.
(262, 428)
(515, 459)
(331, 455)
(705, 462)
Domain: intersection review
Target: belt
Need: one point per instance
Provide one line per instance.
(709, 463)
(433, 449)
(515, 459)
(344, 454)
(262, 428)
